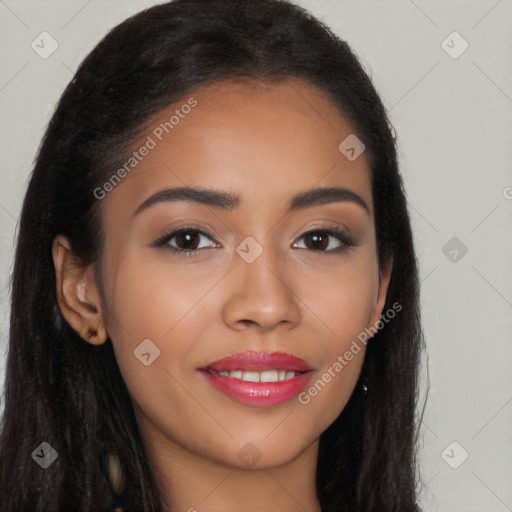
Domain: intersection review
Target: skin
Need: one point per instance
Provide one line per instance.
(266, 143)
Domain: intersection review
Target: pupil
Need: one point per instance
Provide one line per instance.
(316, 238)
(186, 238)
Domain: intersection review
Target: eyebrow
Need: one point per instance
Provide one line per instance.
(229, 201)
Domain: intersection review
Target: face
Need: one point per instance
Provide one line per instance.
(225, 308)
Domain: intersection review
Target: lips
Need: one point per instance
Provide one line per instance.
(259, 361)
(259, 378)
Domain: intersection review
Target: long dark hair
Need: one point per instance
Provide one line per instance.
(70, 394)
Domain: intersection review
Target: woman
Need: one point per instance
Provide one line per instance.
(215, 292)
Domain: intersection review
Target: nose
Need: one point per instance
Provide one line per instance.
(261, 294)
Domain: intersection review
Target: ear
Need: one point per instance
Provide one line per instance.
(78, 295)
(384, 278)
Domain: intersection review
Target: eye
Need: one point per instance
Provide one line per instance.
(183, 240)
(321, 240)
(187, 240)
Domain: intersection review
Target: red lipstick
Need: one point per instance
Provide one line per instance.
(259, 378)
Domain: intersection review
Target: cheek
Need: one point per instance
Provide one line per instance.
(148, 302)
(329, 391)
(343, 297)
(342, 303)
(159, 312)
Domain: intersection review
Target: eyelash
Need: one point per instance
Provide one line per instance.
(163, 241)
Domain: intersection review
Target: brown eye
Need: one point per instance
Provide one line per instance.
(321, 240)
(318, 240)
(184, 240)
(187, 240)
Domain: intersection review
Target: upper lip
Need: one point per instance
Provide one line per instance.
(259, 361)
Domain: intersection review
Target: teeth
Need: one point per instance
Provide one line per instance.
(263, 376)
(251, 376)
(269, 376)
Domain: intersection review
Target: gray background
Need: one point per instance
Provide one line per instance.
(452, 114)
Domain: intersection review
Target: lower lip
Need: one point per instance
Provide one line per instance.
(258, 393)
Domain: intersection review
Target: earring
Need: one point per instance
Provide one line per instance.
(92, 333)
(365, 380)
(114, 474)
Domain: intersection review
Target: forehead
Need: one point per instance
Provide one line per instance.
(267, 141)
